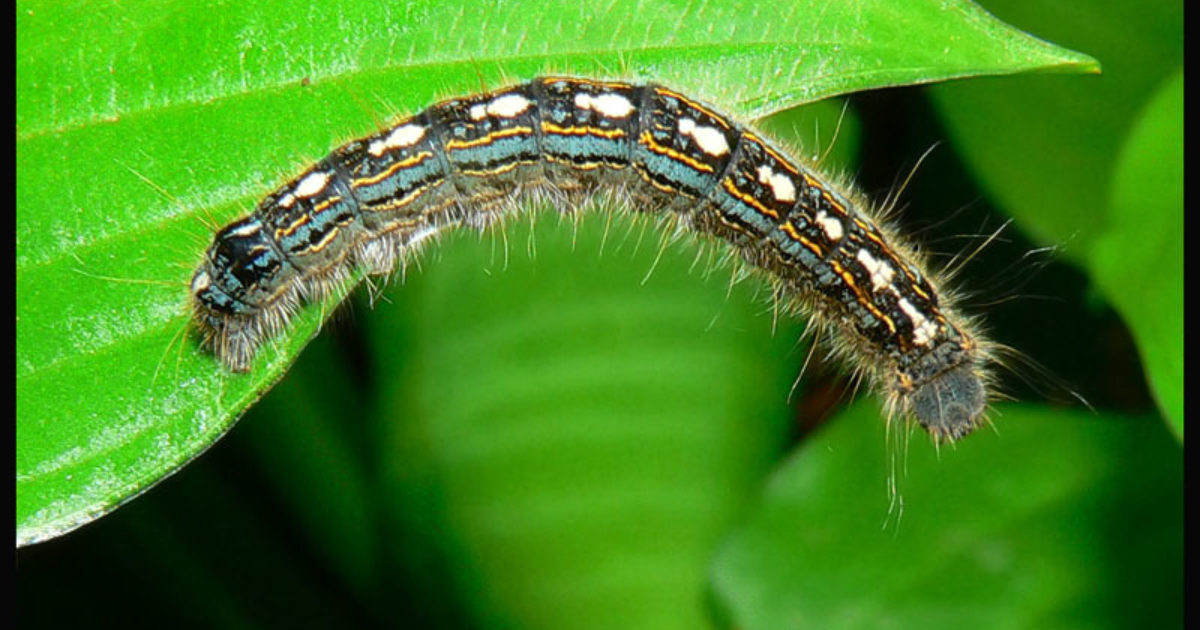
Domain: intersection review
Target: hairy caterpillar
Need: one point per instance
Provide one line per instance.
(467, 161)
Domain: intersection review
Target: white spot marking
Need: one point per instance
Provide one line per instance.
(881, 273)
(781, 185)
(831, 225)
(709, 139)
(201, 282)
(509, 105)
(312, 184)
(478, 111)
(923, 329)
(401, 137)
(287, 200)
(249, 229)
(609, 105)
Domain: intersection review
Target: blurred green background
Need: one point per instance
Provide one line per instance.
(575, 425)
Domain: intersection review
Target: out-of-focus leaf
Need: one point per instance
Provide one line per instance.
(1053, 521)
(1138, 261)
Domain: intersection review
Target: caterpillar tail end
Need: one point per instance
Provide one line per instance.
(951, 404)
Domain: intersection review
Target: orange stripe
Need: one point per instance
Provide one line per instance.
(748, 199)
(784, 162)
(488, 139)
(694, 105)
(648, 140)
(391, 170)
(611, 134)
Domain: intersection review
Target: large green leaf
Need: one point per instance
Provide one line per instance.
(142, 126)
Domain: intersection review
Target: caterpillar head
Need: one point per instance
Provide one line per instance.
(239, 274)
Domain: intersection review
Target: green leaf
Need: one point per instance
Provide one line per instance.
(142, 126)
(1058, 520)
(1138, 261)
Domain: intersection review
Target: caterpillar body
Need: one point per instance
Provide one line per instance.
(470, 160)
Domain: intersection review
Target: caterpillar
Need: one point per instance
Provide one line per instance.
(470, 160)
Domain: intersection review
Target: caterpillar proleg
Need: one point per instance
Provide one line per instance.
(470, 160)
